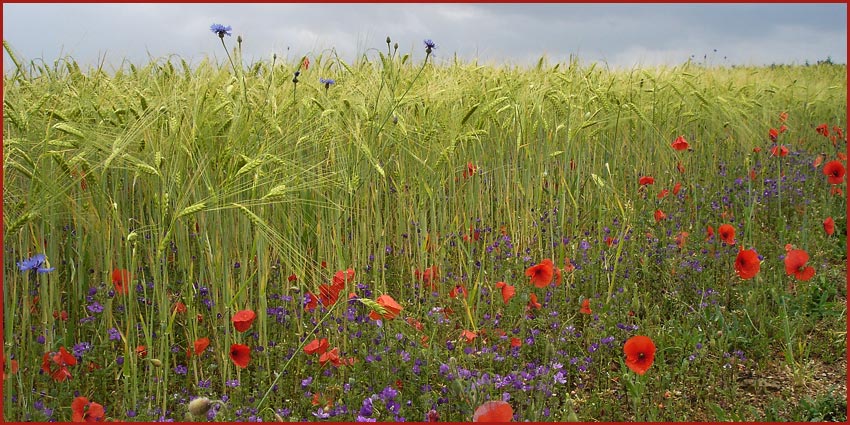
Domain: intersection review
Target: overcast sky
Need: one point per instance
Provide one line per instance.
(621, 35)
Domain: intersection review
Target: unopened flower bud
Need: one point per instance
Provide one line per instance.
(199, 406)
(239, 39)
(155, 362)
(388, 40)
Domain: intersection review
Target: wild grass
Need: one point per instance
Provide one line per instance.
(213, 187)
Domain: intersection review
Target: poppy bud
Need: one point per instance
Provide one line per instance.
(239, 39)
(199, 406)
(388, 40)
(155, 362)
(395, 46)
(278, 418)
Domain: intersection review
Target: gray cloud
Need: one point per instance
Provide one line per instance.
(619, 34)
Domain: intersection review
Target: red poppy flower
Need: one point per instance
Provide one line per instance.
(676, 188)
(609, 241)
(818, 161)
(240, 354)
(508, 291)
(331, 356)
(391, 307)
(834, 170)
(468, 335)
(829, 226)
(201, 344)
(328, 295)
(532, 302)
(470, 170)
(82, 410)
(773, 134)
(681, 238)
(141, 351)
(680, 168)
(292, 278)
(680, 144)
(838, 131)
(747, 264)
(316, 346)
(783, 116)
(823, 130)
(757, 149)
(645, 180)
(516, 342)
(727, 234)
(585, 307)
(783, 128)
(568, 265)
(779, 151)
(559, 278)
(795, 264)
(709, 233)
(305, 63)
(179, 307)
(429, 276)
(659, 215)
(663, 194)
(343, 277)
(640, 353)
(243, 319)
(61, 360)
(541, 274)
(458, 289)
(121, 281)
(13, 369)
(311, 301)
(837, 191)
(493, 411)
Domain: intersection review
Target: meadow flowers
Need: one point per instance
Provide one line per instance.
(121, 281)
(243, 319)
(493, 411)
(240, 354)
(795, 265)
(585, 307)
(327, 82)
(747, 264)
(35, 263)
(390, 306)
(507, 291)
(829, 226)
(61, 360)
(645, 180)
(317, 346)
(834, 171)
(541, 274)
(727, 234)
(680, 144)
(221, 30)
(429, 46)
(200, 345)
(83, 410)
(640, 353)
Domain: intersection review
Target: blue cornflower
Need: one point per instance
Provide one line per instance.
(31, 263)
(327, 82)
(221, 30)
(35, 263)
(181, 369)
(429, 46)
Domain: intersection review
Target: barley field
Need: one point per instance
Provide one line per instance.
(438, 240)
